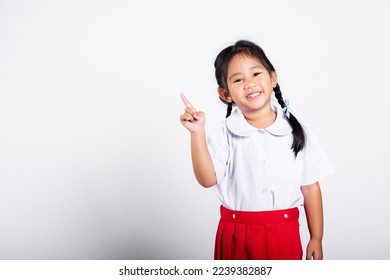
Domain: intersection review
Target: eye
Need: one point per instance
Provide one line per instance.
(237, 80)
(256, 74)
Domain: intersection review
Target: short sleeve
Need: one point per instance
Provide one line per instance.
(315, 162)
(218, 146)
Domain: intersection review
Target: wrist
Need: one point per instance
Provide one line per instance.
(316, 239)
(198, 132)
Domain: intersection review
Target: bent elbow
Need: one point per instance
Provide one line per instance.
(207, 183)
(206, 186)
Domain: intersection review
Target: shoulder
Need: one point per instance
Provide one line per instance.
(218, 140)
(219, 130)
(316, 162)
(219, 126)
(313, 146)
(309, 134)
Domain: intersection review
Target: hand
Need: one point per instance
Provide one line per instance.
(193, 120)
(314, 250)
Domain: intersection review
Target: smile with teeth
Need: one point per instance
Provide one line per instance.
(253, 94)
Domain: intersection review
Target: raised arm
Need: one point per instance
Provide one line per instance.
(315, 221)
(202, 164)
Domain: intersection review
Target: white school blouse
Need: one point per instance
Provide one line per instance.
(256, 169)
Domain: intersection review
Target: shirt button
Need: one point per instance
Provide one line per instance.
(285, 216)
(264, 190)
(234, 216)
(263, 161)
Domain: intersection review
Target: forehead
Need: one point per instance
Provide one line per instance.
(244, 61)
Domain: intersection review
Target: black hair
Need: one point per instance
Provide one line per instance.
(250, 49)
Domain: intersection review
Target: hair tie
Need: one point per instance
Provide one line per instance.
(286, 108)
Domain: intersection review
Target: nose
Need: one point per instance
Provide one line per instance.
(250, 84)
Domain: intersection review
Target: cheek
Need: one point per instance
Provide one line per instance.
(269, 83)
(233, 89)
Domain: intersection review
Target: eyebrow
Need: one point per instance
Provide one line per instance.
(239, 73)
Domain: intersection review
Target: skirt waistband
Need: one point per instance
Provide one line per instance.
(259, 217)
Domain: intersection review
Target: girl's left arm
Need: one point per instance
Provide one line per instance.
(315, 220)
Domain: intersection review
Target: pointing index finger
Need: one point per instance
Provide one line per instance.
(186, 101)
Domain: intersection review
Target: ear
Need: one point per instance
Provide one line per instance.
(274, 78)
(224, 95)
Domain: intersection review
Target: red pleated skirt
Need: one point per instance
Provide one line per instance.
(264, 235)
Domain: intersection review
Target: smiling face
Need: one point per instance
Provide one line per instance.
(249, 85)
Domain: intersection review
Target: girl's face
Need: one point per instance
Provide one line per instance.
(250, 85)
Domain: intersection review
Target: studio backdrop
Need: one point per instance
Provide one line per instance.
(94, 163)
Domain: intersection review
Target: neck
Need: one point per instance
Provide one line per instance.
(262, 118)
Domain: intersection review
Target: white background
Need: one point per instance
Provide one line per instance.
(94, 163)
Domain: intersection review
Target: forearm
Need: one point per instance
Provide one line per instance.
(314, 211)
(315, 221)
(201, 160)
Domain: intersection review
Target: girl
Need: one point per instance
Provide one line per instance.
(262, 163)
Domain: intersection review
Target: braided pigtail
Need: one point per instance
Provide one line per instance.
(229, 109)
(299, 138)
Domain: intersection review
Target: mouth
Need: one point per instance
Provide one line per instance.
(253, 94)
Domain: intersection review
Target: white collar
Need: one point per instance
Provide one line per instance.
(238, 125)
